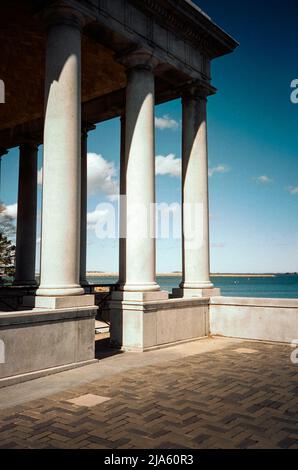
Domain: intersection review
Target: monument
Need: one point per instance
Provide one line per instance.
(71, 65)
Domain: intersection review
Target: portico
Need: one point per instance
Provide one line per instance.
(88, 62)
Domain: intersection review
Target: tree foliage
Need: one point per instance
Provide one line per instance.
(7, 248)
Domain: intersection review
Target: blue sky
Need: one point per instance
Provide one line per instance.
(253, 150)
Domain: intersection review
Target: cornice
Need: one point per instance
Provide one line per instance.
(180, 16)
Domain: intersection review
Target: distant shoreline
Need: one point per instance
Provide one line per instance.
(177, 274)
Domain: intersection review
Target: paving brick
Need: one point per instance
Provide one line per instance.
(219, 399)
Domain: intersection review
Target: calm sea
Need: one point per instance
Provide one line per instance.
(280, 286)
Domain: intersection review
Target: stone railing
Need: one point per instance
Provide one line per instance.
(252, 318)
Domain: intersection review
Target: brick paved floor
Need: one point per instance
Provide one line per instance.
(240, 396)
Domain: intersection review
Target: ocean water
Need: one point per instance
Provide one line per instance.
(279, 286)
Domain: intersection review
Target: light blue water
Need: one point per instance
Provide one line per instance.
(280, 286)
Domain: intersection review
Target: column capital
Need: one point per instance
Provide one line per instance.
(138, 59)
(3, 151)
(198, 90)
(87, 127)
(63, 13)
(30, 143)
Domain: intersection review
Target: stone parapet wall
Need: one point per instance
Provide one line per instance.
(254, 318)
(37, 343)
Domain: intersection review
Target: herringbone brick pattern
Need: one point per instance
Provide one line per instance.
(221, 399)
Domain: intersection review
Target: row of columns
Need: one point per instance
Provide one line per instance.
(27, 211)
(64, 199)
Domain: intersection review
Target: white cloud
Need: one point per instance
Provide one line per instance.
(293, 189)
(219, 169)
(39, 177)
(166, 122)
(172, 165)
(263, 179)
(168, 165)
(101, 176)
(95, 217)
(11, 210)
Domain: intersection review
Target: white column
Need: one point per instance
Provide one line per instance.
(138, 272)
(61, 207)
(83, 240)
(26, 218)
(195, 210)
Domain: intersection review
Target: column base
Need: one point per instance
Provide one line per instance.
(58, 302)
(187, 293)
(31, 283)
(148, 287)
(59, 291)
(86, 286)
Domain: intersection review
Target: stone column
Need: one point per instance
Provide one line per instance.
(83, 241)
(122, 205)
(131, 326)
(61, 207)
(195, 211)
(26, 218)
(138, 272)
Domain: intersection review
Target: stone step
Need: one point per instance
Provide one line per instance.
(101, 327)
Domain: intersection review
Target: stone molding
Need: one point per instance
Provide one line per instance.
(255, 302)
(28, 317)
